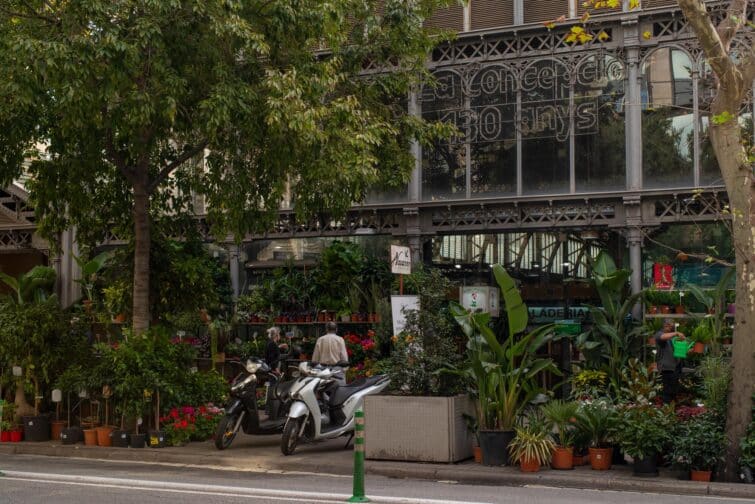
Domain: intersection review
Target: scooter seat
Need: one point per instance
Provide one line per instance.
(343, 392)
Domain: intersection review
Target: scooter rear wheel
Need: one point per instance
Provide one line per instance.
(290, 437)
(225, 433)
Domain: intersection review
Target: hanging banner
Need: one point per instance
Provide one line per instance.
(399, 306)
(401, 260)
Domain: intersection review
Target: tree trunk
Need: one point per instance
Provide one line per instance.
(142, 242)
(23, 408)
(737, 174)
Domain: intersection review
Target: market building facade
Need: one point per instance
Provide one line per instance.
(563, 149)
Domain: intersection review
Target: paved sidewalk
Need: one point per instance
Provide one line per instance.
(262, 453)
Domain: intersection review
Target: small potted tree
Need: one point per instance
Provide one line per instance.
(562, 416)
(597, 420)
(699, 445)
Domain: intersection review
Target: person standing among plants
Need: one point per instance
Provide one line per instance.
(330, 350)
(669, 366)
(273, 348)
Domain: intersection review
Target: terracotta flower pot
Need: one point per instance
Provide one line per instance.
(103, 436)
(679, 309)
(529, 465)
(119, 319)
(652, 310)
(699, 347)
(90, 437)
(563, 458)
(477, 451)
(600, 458)
(699, 475)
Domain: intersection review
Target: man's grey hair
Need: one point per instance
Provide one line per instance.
(273, 332)
(331, 327)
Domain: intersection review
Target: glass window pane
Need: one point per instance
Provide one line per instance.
(545, 128)
(444, 164)
(710, 174)
(492, 134)
(667, 120)
(599, 139)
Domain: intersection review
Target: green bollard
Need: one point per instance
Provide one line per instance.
(359, 458)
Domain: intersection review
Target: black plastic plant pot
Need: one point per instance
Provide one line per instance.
(495, 447)
(36, 428)
(71, 435)
(156, 439)
(646, 467)
(137, 440)
(120, 438)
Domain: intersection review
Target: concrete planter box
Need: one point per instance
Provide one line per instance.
(417, 429)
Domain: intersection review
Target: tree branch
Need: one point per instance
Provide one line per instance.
(704, 257)
(736, 15)
(167, 169)
(710, 41)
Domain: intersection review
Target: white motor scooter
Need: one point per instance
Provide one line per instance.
(321, 408)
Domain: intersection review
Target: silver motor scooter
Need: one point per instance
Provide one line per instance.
(323, 409)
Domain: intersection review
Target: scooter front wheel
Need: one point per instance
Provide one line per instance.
(226, 432)
(291, 436)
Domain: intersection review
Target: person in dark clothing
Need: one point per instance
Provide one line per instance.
(669, 366)
(272, 350)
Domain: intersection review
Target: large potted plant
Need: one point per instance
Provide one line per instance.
(562, 416)
(423, 418)
(643, 431)
(699, 445)
(32, 330)
(503, 373)
(597, 419)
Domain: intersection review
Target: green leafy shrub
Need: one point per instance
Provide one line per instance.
(429, 343)
(643, 430)
(699, 443)
(747, 445)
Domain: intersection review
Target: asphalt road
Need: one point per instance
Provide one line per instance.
(49, 480)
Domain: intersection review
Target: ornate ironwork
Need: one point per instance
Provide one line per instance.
(13, 203)
(518, 216)
(690, 207)
(356, 222)
(15, 239)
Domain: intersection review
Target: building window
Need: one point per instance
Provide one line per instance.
(667, 120)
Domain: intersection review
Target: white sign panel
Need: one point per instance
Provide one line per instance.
(399, 306)
(401, 260)
(481, 298)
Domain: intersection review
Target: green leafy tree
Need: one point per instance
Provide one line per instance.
(139, 103)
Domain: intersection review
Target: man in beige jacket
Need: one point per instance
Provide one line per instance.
(330, 349)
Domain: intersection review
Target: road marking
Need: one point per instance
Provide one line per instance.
(219, 490)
